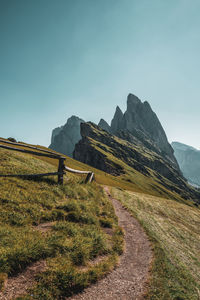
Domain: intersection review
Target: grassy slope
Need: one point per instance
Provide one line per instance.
(172, 226)
(132, 179)
(136, 181)
(174, 229)
(100, 176)
(79, 213)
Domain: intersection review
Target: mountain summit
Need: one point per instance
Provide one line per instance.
(138, 125)
(116, 123)
(139, 121)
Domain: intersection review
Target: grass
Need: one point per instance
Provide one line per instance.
(174, 230)
(131, 180)
(79, 214)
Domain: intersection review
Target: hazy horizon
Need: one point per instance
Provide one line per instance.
(65, 57)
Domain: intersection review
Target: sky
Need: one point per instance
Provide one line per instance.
(83, 57)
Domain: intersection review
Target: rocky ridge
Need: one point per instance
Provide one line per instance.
(113, 155)
(140, 124)
(135, 139)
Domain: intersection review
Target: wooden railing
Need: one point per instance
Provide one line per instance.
(46, 153)
(90, 175)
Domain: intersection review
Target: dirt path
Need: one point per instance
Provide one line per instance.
(129, 280)
(19, 284)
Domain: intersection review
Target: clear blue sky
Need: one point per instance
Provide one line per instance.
(83, 57)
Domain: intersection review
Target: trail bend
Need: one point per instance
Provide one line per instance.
(129, 281)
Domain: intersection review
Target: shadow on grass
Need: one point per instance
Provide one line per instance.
(50, 181)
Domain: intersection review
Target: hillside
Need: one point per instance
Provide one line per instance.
(62, 231)
(145, 169)
(56, 228)
(131, 180)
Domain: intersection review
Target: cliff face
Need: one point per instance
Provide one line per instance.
(55, 132)
(64, 138)
(116, 123)
(142, 123)
(104, 125)
(116, 156)
(189, 161)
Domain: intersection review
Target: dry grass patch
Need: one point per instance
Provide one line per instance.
(174, 229)
(71, 220)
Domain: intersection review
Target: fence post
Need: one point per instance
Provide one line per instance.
(61, 168)
(88, 177)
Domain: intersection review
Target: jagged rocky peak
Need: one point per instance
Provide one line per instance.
(64, 139)
(116, 122)
(132, 102)
(140, 118)
(73, 121)
(104, 125)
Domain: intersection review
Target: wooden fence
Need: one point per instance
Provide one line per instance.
(61, 166)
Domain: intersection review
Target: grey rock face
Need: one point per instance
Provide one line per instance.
(55, 132)
(65, 137)
(189, 161)
(140, 121)
(116, 123)
(104, 125)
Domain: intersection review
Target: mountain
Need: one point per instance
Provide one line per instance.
(138, 125)
(139, 121)
(135, 163)
(64, 138)
(55, 132)
(134, 147)
(104, 125)
(189, 161)
(116, 123)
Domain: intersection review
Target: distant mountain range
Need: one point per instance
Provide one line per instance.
(134, 145)
(189, 161)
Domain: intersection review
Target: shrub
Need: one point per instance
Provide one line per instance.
(11, 139)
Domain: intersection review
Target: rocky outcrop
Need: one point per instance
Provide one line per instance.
(65, 137)
(189, 161)
(141, 122)
(116, 123)
(55, 132)
(104, 125)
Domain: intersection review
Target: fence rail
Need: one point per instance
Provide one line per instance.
(29, 146)
(46, 153)
(90, 175)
